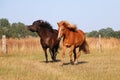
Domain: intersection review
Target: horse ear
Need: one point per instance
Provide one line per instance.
(57, 23)
(66, 24)
(39, 21)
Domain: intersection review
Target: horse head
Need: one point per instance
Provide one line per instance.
(63, 25)
(34, 27)
(61, 28)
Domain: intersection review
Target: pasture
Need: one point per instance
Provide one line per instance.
(25, 60)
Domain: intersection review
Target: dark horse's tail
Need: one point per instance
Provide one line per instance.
(85, 47)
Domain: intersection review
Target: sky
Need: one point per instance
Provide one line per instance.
(88, 15)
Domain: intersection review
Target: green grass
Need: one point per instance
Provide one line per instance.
(31, 66)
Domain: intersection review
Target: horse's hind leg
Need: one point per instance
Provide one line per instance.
(46, 56)
(55, 54)
(52, 54)
(78, 55)
(74, 51)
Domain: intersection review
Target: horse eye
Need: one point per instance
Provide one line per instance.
(62, 29)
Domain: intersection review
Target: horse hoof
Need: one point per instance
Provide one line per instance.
(71, 62)
(46, 61)
(54, 60)
(75, 63)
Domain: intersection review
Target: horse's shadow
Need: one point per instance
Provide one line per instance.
(81, 62)
(68, 63)
(58, 60)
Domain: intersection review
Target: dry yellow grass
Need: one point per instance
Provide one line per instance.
(22, 45)
(31, 44)
(25, 61)
(106, 43)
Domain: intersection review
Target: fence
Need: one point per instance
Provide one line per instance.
(4, 45)
(99, 44)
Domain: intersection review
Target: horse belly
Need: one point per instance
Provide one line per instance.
(69, 41)
(53, 41)
(79, 39)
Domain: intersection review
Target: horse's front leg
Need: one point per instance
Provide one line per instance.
(74, 51)
(46, 56)
(70, 54)
(63, 54)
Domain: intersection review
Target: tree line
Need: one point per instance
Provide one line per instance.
(19, 30)
(106, 33)
(14, 30)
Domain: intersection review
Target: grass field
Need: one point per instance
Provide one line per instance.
(25, 60)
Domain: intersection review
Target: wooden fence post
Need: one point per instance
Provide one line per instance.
(99, 44)
(4, 50)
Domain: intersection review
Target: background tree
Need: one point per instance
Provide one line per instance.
(4, 27)
(93, 34)
(4, 22)
(16, 30)
(19, 30)
(108, 32)
(117, 34)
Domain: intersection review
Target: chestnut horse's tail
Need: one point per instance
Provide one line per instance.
(85, 47)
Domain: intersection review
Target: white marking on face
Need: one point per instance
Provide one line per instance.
(59, 32)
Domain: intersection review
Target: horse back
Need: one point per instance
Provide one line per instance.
(81, 34)
(80, 37)
(75, 38)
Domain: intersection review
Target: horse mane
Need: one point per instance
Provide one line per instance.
(73, 27)
(46, 25)
(69, 26)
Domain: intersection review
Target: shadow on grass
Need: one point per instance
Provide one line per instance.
(50, 61)
(81, 62)
(64, 64)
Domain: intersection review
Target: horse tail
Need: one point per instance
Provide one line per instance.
(85, 47)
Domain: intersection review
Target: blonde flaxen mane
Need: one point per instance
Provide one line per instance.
(68, 25)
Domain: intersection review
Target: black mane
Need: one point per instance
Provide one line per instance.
(45, 24)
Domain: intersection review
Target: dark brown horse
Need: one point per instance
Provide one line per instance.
(48, 37)
(72, 38)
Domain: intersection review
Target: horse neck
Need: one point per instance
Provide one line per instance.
(66, 33)
(44, 33)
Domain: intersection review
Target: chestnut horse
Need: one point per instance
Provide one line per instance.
(48, 37)
(72, 38)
